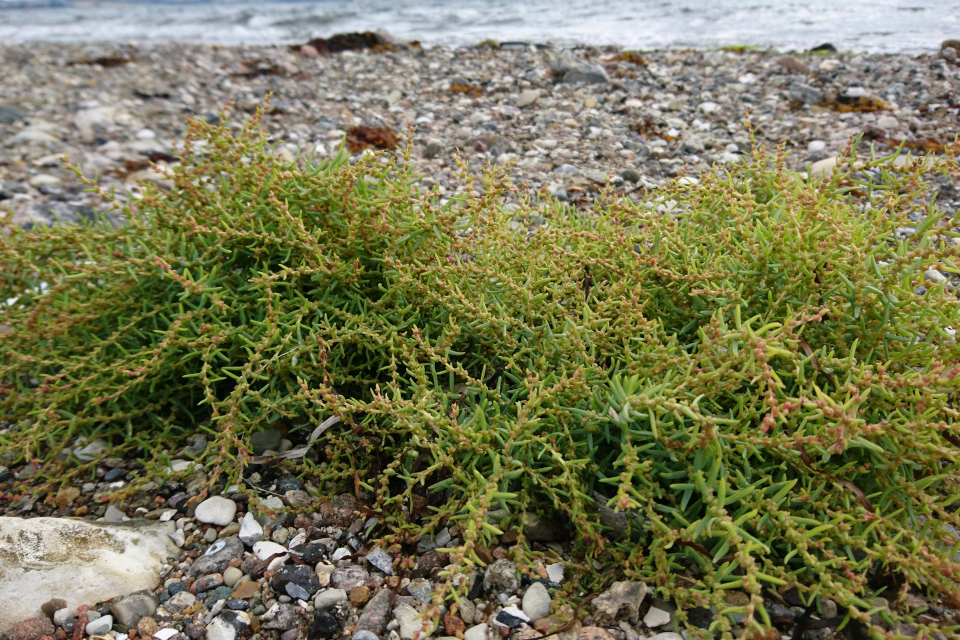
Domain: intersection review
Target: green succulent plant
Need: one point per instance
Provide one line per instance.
(742, 366)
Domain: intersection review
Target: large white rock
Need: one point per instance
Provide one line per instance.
(217, 510)
(80, 562)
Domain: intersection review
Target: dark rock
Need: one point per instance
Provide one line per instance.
(194, 631)
(114, 474)
(208, 582)
(52, 606)
(340, 512)
(701, 617)
(323, 626)
(430, 561)
(301, 576)
(804, 93)
(236, 604)
(375, 615)
(268, 440)
(219, 560)
(504, 619)
(10, 114)
(289, 484)
(826, 47)
(220, 593)
(631, 175)
(311, 553)
(175, 588)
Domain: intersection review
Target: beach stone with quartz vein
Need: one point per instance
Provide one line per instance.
(79, 562)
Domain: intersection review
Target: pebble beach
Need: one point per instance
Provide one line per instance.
(567, 122)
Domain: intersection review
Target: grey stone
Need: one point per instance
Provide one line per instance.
(501, 577)
(348, 578)
(381, 560)
(285, 617)
(375, 614)
(99, 626)
(805, 93)
(268, 440)
(10, 114)
(179, 601)
(657, 618)
(131, 609)
(631, 175)
(622, 599)
(536, 601)
(229, 548)
(113, 515)
(478, 632)
(570, 69)
(363, 634)
(216, 510)
(421, 589)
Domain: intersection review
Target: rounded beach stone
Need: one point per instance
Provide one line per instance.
(217, 511)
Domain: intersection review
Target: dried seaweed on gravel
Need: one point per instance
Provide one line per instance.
(364, 136)
(741, 366)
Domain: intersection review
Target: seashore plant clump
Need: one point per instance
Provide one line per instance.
(753, 375)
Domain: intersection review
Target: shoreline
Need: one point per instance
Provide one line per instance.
(640, 119)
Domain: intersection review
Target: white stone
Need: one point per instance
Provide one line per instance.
(44, 180)
(89, 451)
(99, 626)
(216, 510)
(273, 503)
(823, 168)
(264, 549)
(816, 146)
(411, 622)
(329, 598)
(478, 632)
(528, 97)
(656, 617)
(250, 530)
(231, 575)
(536, 601)
(220, 629)
(667, 635)
(62, 615)
(555, 572)
(178, 537)
(81, 562)
(888, 122)
(708, 107)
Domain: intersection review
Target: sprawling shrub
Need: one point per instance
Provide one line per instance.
(755, 372)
